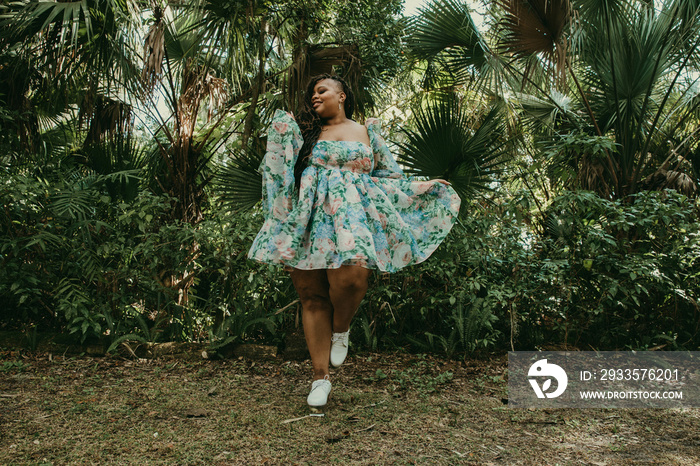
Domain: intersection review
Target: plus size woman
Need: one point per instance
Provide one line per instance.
(337, 206)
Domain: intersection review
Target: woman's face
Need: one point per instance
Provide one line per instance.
(328, 93)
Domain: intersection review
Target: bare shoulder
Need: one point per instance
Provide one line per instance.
(356, 132)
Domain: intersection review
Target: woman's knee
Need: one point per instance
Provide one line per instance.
(315, 302)
(349, 285)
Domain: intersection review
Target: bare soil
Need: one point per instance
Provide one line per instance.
(385, 409)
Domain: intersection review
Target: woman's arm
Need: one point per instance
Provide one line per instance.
(384, 164)
(283, 144)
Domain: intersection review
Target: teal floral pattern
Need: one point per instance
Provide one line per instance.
(354, 206)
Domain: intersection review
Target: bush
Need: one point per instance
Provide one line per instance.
(74, 258)
(603, 274)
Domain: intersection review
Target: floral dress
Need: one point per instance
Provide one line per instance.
(354, 205)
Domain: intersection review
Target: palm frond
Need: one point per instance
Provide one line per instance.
(69, 20)
(238, 182)
(595, 12)
(444, 31)
(447, 144)
(446, 25)
(536, 27)
(154, 50)
(541, 113)
(118, 163)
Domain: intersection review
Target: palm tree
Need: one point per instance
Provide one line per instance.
(163, 100)
(69, 55)
(321, 41)
(610, 71)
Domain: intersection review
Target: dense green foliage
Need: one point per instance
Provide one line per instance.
(127, 178)
(605, 274)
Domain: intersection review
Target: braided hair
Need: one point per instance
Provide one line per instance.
(311, 124)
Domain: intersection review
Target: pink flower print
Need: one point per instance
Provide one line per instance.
(384, 256)
(275, 162)
(275, 147)
(325, 246)
(307, 180)
(435, 223)
(402, 255)
(346, 241)
(421, 187)
(280, 127)
(403, 200)
(331, 207)
(363, 165)
(283, 241)
(389, 189)
(280, 207)
(288, 254)
(317, 260)
(392, 238)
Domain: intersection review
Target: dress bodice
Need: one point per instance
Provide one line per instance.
(352, 156)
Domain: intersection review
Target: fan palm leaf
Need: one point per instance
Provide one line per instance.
(444, 34)
(119, 162)
(447, 26)
(537, 27)
(447, 144)
(238, 182)
(635, 99)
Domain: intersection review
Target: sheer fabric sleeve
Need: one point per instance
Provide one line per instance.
(384, 164)
(284, 142)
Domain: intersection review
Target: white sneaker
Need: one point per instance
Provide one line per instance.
(339, 348)
(320, 389)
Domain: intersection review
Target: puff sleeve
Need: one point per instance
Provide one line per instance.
(284, 142)
(384, 164)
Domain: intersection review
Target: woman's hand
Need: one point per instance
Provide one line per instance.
(446, 183)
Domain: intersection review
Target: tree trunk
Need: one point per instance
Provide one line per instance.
(257, 87)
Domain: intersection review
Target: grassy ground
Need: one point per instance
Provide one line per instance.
(385, 409)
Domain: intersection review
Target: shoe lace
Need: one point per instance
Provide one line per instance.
(341, 336)
(320, 382)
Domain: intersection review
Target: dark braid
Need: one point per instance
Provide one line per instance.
(311, 124)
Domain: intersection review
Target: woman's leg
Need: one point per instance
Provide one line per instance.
(317, 310)
(347, 287)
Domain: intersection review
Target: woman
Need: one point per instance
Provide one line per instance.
(338, 205)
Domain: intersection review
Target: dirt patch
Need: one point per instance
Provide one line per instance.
(385, 409)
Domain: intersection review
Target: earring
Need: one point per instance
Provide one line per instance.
(338, 105)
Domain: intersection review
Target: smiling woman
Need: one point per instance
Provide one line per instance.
(337, 206)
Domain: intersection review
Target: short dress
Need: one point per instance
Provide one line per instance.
(354, 206)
